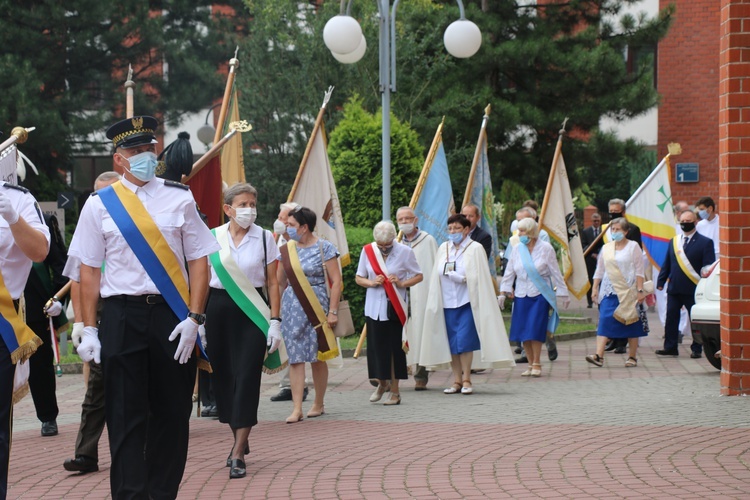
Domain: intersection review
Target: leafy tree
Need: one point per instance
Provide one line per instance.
(356, 161)
(63, 64)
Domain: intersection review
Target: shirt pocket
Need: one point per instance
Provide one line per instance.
(109, 226)
(170, 225)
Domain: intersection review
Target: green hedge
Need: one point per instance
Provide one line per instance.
(357, 237)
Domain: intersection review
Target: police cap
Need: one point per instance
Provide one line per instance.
(132, 132)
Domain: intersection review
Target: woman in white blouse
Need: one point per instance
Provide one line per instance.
(236, 344)
(618, 288)
(386, 268)
(533, 266)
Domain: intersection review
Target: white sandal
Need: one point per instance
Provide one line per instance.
(456, 387)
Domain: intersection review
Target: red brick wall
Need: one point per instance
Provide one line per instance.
(688, 82)
(734, 198)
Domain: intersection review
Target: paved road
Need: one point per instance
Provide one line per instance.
(660, 430)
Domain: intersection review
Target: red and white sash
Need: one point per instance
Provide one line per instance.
(397, 301)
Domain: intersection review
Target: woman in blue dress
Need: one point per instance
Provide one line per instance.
(300, 338)
(618, 289)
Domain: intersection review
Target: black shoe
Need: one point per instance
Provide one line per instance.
(284, 394)
(246, 451)
(589, 306)
(304, 394)
(610, 346)
(522, 359)
(620, 350)
(552, 353)
(237, 469)
(518, 349)
(81, 464)
(206, 411)
(49, 428)
(670, 352)
(695, 355)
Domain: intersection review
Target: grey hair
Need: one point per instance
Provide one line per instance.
(530, 226)
(616, 201)
(106, 177)
(622, 222)
(406, 207)
(238, 189)
(384, 232)
(530, 211)
(289, 206)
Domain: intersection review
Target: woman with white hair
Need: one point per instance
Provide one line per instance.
(533, 266)
(386, 268)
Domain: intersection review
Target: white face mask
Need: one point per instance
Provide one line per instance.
(244, 217)
(406, 228)
(279, 227)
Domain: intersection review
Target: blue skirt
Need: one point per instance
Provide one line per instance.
(529, 319)
(462, 332)
(611, 328)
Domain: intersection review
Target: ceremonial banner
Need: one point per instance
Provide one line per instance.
(432, 200)
(650, 208)
(8, 165)
(479, 192)
(207, 190)
(315, 188)
(232, 161)
(559, 220)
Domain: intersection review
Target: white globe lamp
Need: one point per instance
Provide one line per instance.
(342, 34)
(462, 39)
(352, 57)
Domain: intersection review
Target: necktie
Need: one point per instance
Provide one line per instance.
(687, 239)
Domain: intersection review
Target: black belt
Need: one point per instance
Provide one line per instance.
(150, 300)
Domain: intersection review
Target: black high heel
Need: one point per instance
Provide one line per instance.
(237, 469)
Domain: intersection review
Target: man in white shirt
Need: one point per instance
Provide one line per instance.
(708, 226)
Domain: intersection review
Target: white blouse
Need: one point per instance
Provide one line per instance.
(402, 262)
(629, 261)
(545, 261)
(454, 294)
(249, 256)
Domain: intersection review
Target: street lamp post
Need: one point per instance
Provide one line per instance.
(343, 37)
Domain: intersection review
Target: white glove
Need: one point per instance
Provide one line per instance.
(565, 302)
(456, 278)
(75, 335)
(202, 333)
(7, 211)
(501, 300)
(274, 336)
(54, 309)
(90, 349)
(187, 329)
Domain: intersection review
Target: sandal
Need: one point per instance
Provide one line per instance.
(467, 390)
(595, 359)
(631, 362)
(455, 388)
(536, 372)
(527, 373)
(395, 399)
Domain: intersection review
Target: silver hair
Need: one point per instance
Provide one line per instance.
(238, 189)
(106, 177)
(528, 210)
(530, 226)
(616, 201)
(622, 222)
(384, 232)
(289, 206)
(406, 208)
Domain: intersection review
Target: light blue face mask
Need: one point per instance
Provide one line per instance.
(143, 166)
(292, 232)
(524, 239)
(456, 237)
(617, 236)
(703, 214)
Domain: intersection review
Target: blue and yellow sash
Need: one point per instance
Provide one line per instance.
(244, 294)
(545, 288)
(152, 250)
(18, 337)
(682, 260)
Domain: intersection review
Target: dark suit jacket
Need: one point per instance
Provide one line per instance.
(587, 238)
(37, 291)
(634, 234)
(483, 238)
(700, 252)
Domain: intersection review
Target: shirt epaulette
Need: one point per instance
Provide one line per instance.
(20, 188)
(95, 193)
(176, 184)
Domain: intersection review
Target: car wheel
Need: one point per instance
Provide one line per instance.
(710, 347)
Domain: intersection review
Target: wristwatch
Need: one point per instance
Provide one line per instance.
(641, 291)
(198, 318)
(335, 313)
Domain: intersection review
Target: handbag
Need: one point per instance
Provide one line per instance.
(345, 324)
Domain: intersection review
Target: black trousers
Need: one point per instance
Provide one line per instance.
(92, 415)
(7, 372)
(384, 350)
(147, 398)
(42, 382)
(672, 323)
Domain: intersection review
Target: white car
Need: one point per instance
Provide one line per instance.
(705, 315)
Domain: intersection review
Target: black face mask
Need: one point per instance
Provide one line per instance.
(687, 226)
(615, 215)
